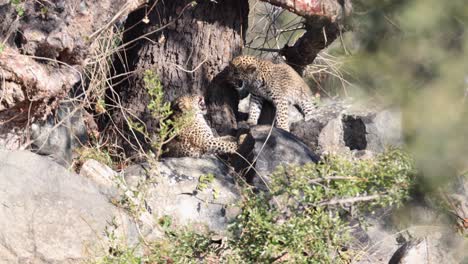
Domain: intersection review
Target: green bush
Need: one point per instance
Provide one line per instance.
(299, 220)
(168, 126)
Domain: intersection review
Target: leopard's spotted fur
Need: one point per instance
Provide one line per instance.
(277, 83)
(196, 138)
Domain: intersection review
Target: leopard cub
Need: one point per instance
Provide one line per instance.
(277, 83)
(195, 138)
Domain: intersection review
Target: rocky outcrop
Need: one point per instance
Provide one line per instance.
(342, 127)
(421, 231)
(50, 215)
(266, 148)
(417, 244)
(195, 191)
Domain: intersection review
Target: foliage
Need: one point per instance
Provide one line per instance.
(183, 246)
(97, 153)
(18, 7)
(412, 54)
(160, 110)
(204, 181)
(337, 178)
(100, 67)
(298, 220)
(311, 229)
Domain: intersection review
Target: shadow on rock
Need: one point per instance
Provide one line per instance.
(266, 148)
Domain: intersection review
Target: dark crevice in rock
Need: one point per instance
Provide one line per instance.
(19, 39)
(354, 133)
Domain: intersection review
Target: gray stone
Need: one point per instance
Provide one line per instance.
(103, 177)
(268, 112)
(175, 191)
(415, 233)
(267, 148)
(342, 127)
(417, 244)
(59, 135)
(384, 129)
(50, 215)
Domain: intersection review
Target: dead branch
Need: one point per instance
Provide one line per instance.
(335, 178)
(309, 8)
(37, 81)
(323, 23)
(350, 200)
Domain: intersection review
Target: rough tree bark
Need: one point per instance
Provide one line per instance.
(191, 45)
(45, 50)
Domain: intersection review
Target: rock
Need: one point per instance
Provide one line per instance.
(384, 129)
(411, 252)
(343, 127)
(268, 112)
(178, 192)
(418, 244)
(102, 176)
(415, 233)
(58, 136)
(459, 200)
(11, 138)
(50, 215)
(268, 151)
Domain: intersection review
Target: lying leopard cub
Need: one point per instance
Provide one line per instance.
(277, 83)
(196, 138)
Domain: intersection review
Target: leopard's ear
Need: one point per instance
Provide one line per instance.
(251, 69)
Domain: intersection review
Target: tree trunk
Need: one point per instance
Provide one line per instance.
(191, 45)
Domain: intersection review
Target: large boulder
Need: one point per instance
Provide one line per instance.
(418, 232)
(192, 191)
(346, 128)
(265, 148)
(50, 215)
(415, 244)
(341, 126)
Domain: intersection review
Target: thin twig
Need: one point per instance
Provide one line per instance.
(334, 178)
(350, 200)
(190, 71)
(264, 49)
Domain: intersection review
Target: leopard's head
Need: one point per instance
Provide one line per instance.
(242, 69)
(191, 103)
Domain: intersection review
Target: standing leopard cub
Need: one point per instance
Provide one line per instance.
(277, 83)
(195, 138)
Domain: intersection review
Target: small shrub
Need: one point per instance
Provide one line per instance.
(160, 110)
(204, 181)
(19, 8)
(97, 153)
(298, 221)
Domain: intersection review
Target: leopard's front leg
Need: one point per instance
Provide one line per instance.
(255, 108)
(282, 117)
